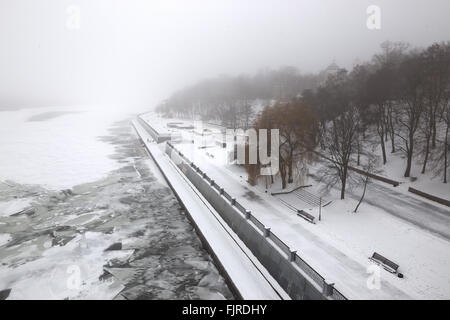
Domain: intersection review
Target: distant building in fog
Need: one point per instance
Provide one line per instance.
(329, 71)
(332, 69)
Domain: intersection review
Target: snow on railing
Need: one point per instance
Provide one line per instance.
(283, 246)
(292, 255)
(240, 207)
(227, 196)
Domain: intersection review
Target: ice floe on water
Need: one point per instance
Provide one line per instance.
(4, 238)
(120, 235)
(13, 206)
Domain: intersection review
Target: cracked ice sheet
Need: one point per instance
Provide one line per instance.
(50, 276)
(4, 238)
(70, 229)
(13, 206)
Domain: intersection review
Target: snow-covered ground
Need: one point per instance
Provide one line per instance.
(340, 244)
(428, 182)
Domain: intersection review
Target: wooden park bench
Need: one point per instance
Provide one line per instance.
(387, 264)
(306, 216)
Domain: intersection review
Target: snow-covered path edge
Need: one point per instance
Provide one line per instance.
(245, 275)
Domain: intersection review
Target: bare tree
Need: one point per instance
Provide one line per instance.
(436, 59)
(390, 58)
(340, 143)
(441, 162)
(379, 94)
(297, 127)
(446, 142)
(364, 179)
(412, 98)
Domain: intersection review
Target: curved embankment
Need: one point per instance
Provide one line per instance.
(294, 276)
(247, 278)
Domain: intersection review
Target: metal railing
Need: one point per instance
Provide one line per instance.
(283, 246)
(257, 223)
(240, 207)
(305, 267)
(292, 255)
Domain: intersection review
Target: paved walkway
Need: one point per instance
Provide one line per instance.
(433, 218)
(348, 274)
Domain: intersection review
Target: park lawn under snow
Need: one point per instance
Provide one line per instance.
(429, 182)
(423, 256)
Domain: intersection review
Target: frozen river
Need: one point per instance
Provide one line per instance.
(85, 214)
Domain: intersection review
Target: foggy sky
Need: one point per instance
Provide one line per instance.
(132, 52)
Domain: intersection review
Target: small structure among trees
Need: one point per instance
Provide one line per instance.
(297, 127)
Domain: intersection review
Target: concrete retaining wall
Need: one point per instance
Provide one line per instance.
(283, 265)
(157, 136)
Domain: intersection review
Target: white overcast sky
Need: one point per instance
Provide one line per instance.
(136, 52)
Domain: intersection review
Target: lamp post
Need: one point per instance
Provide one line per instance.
(320, 208)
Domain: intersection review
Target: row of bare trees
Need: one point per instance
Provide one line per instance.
(400, 98)
(230, 100)
(398, 101)
(402, 95)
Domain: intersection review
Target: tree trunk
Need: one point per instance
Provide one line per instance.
(391, 129)
(392, 142)
(445, 154)
(410, 154)
(283, 175)
(358, 159)
(290, 179)
(344, 181)
(409, 162)
(283, 181)
(385, 124)
(321, 135)
(383, 149)
(408, 167)
(381, 129)
(427, 151)
(433, 139)
(363, 194)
